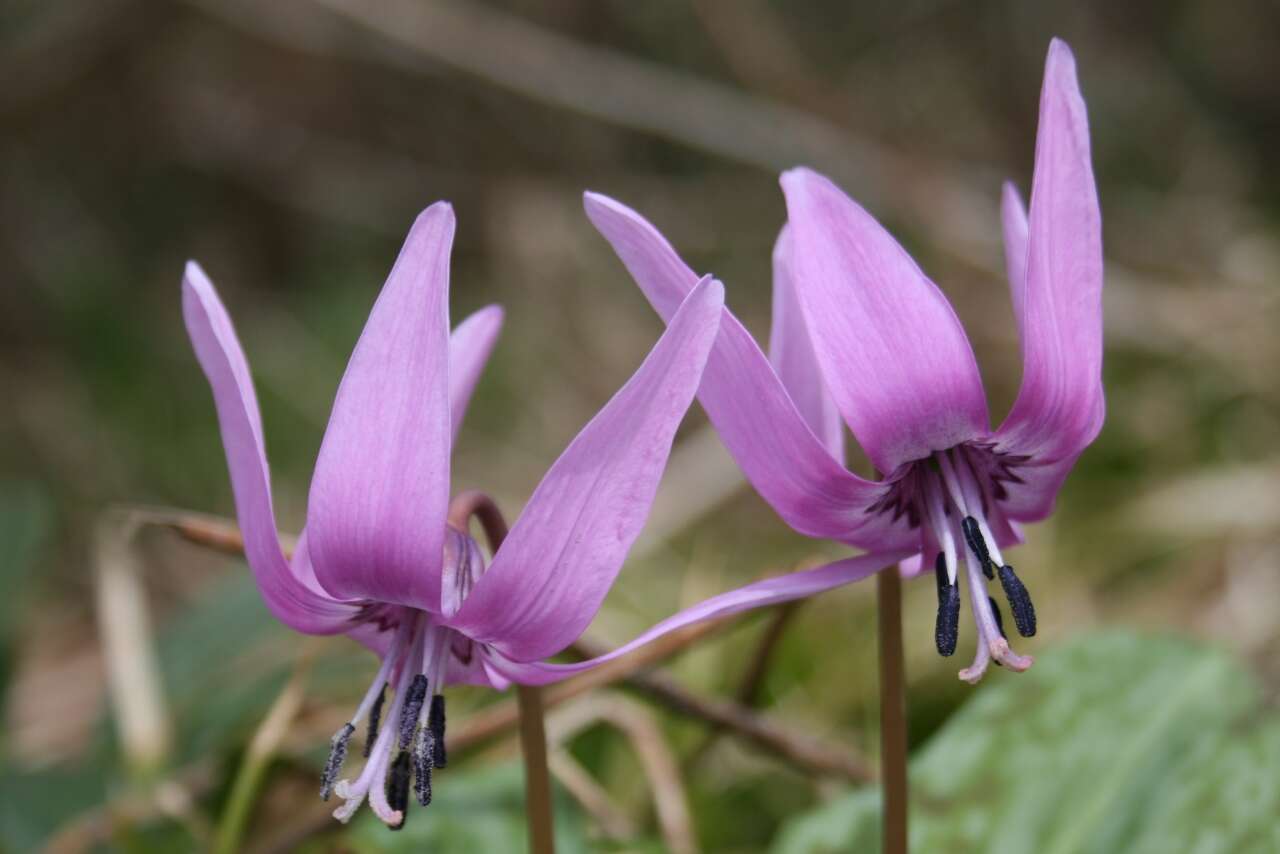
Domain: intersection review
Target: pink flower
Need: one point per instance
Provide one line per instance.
(378, 560)
(861, 335)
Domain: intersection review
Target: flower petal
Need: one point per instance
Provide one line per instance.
(1013, 220)
(1060, 407)
(376, 515)
(469, 348)
(288, 597)
(791, 352)
(748, 405)
(549, 577)
(772, 591)
(895, 357)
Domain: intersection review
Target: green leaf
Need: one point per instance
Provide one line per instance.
(1110, 743)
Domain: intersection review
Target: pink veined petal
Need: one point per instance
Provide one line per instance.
(376, 515)
(784, 588)
(748, 405)
(894, 355)
(791, 352)
(549, 577)
(469, 348)
(287, 596)
(1060, 407)
(1013, 220)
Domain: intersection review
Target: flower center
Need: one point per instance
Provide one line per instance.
(947, 495)
(411, 745)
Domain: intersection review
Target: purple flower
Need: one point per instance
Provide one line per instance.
(379, 559)
(860, 334)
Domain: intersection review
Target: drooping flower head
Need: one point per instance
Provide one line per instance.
(382, 557)
(862, 336)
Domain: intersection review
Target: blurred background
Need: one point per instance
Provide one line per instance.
(151, 704)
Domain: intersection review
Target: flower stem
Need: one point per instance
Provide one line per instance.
(537, 783)
(533, 737)
(893, 712)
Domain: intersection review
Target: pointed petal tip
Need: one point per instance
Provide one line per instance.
(710, 290)
(599, 206)
(195, 278)
(1060, 66)
(797, 175)
(1060, 51)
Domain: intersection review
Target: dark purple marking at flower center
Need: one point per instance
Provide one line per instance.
(953, 497)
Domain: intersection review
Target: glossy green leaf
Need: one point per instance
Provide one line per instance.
(1110, 743)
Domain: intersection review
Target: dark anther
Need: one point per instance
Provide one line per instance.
(946, 630)
(977, 544)
(1024, 613)
(398, 786)
(337, 755)
(995, 612)
(375, 715)
(413, 700)
(435, 722)
(423, 762)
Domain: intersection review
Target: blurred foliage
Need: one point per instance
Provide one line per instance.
(287, 146)
(1113, 743)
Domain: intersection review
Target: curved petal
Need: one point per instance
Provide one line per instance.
(553, 570)
(748, 405)
(1060, 407)
(894, 355)
(791, 352)
(376, 514)
(469, 348)
(1013, 221)
(784, 588)
(288, 597)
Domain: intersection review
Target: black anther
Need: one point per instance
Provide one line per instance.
(398, 787)
(995, 612)
(337, 755)
(977, 544)
(375, 715)
(423, 762)
(946, 630)
(435, 722)
(413, 700)
(1024, 613)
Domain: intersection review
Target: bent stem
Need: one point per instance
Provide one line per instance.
(893, 712)
(533, 737)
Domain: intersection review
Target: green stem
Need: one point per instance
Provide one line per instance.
(533, 737)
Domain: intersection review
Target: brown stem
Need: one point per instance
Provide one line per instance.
(800, 749)
(533, 737)
(893, 708)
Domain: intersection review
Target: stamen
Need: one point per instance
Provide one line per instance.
(423, 762)
(937, 513)
(946, 629)
(412, 708)
(978, 544)
(435, 723)
(1024, 613)
(375, 717)
(398, 787)
(337, 755)
(995, 612)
